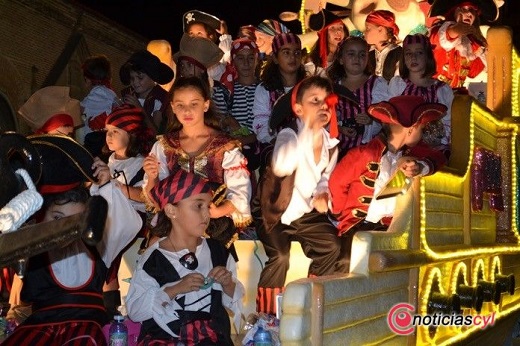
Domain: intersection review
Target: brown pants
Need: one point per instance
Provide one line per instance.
(319, 241)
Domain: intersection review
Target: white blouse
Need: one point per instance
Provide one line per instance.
(262, 113)
(236, 178)
(146, 298)
(445, 96)
(130, 167)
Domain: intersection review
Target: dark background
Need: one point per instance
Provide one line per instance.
(156, 19)
(163, 19)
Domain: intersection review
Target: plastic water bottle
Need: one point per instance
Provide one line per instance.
(118, 333)
(262, 337)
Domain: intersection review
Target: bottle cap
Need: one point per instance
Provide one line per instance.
(119, 318)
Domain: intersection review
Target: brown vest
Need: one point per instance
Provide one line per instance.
(275, 194)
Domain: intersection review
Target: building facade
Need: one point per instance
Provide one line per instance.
(44, 42)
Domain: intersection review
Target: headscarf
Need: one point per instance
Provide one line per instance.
(230, 74)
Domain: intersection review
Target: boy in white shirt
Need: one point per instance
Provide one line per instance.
(294, 190)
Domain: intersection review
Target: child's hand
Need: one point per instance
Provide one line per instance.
(221, 275)
(151, 167)
(131, 99)
(101, 171)
(321, 202)
(347, 131)
(363, 119)
(409, 166)
(225, 208)
(189, 283)
(223, 28)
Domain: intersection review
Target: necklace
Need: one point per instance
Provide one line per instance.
(189, 260)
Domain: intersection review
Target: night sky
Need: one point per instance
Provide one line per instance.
(163, 19)
(155, 19)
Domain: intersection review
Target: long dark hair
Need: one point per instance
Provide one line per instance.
(137, 145)
(431, 66)
(272, 78)
(336, 71)
(314, 54)
(163, 226)
(211, 117)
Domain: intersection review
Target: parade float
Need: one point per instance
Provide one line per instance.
(452, 249)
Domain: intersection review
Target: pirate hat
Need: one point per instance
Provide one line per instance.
(199, 16)
(65, 163)
(488, 9)
(145, 61)
(199, 51)
(50, 108)
(178, 186)
(407, 111)
(320, 20)
(383, 18)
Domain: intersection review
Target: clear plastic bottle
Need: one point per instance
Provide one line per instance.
(262, 337)
(118, 333)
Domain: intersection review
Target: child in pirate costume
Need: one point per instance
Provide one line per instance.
(100, 99)
(366, 169)
(294, 190)
(196, 144)
(143, 73)
(350, 73)
(281, 73)
(128, 140)
(458, 44)
(195, 56)
(382, 32)
(65, 285)
(331, 31)
(416, 70)
(204, 25)
(184, 282)
(51, 110)
(234, 97)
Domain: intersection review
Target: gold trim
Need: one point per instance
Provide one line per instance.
(86, 175)
(222, 196)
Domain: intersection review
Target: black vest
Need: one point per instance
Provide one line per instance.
(158, 267)
(390, 63)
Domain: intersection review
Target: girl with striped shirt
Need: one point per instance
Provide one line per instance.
(416, 69)
(350, 70)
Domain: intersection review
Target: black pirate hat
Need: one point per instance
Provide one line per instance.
(202, 17)
(318, 21)
(145, 61)
(65, 163)
(488, 9)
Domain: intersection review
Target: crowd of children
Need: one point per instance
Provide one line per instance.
(251, 134)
